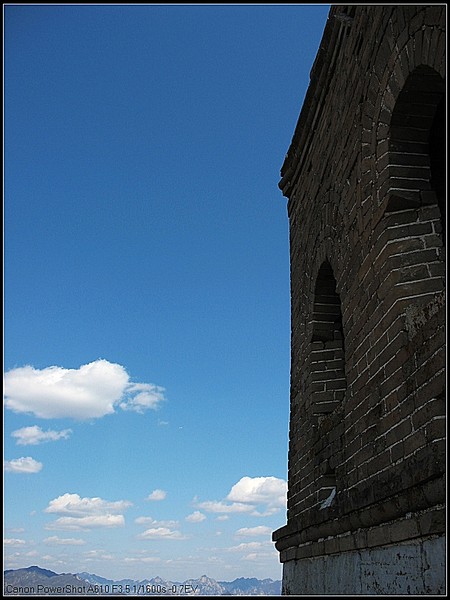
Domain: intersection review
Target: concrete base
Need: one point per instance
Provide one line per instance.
(415, 567)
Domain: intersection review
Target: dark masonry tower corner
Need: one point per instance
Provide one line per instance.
(365, 180)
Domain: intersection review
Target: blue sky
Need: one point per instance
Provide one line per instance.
(146, 274)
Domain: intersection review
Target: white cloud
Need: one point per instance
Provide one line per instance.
(50, 558)
(245, 547)
(142, 559)
(25, 464)
(92, 391)
(260, 557)
(29, 436)
(86, 513)
(72, 504)
(146, 396)
(54, 540)
(269, 491)
(222, 507)
(145, 521)
(157, 495)
(161, 533)
(98, 555)
(265, 513)
(254, 531)
(196, 517)
(83, 523)
(151, 521)
(222, 518)
(13, 542)
(248, 493)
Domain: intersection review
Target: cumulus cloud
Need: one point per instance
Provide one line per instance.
(25, 464)
(269, 491)
(247, 494)
(86, 513)
(72, 504)
(54, 540)
(157, 495)
(30, 436)
(196, 517)
(254, 531)
(92, 391)
(161, 533)
(84, 523)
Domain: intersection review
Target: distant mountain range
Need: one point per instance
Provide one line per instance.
(42, 582)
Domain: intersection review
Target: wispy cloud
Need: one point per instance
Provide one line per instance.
(254, 531)
(259, 557)
(85, 523)
(155, 523)
(141, 559)
(196, 517)
(142, 396)
(31, 436)
(25, 464)
(98, 555)
(222, 507)
(246, 547)
(157, 495)
(13, 542)
(161, 533)
(92, 391)
(54, 540)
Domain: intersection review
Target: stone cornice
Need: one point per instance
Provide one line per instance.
(320, 77)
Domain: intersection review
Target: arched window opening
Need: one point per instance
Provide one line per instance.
(417, 144)
(327, 381)
(327, 317)
(327, 372)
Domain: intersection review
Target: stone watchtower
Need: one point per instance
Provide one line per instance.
(365, 178)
